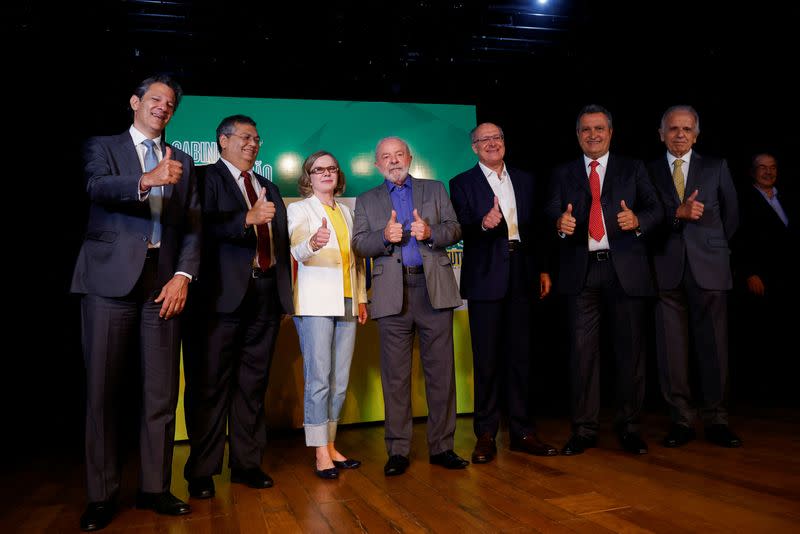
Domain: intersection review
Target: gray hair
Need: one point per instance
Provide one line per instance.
(683, 108)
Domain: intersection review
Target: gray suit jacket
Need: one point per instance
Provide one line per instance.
(373, 209)
(703, 243)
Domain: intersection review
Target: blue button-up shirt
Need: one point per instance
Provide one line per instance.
(775, 204)
(403, 203)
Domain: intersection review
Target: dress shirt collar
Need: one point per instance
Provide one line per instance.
(602, 160)
(488, 172)
(235, 172)
(138, 137)
(391, 186)
(671, 159)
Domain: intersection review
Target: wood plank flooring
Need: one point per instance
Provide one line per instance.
(697, 488)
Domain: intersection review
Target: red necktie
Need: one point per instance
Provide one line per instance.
(596, 231)
(262, 230)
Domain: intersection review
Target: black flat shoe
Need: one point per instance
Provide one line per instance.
(723, 436)
(328, 474)
(577, 444)
(347, 464)
(678, 436)
(97, 515)
(162, 503)
(633, 443)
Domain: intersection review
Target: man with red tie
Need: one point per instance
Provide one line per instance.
(603, 207)
(244, 290)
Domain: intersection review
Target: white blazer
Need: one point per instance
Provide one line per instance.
(318, 289)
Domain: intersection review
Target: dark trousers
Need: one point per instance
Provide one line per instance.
(501, 354)
(226, 380)
(603, 297)
(110, 327)
(704, 313)
(435, 328)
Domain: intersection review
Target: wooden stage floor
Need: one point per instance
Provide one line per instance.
(697, 488)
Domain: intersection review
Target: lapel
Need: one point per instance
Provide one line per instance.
(580, 177)
(483, 189)
(348, 221)
(170, 187)
(417, 194)
(126, 152)
(608, 180)
(319, 210)
(386, 203)
(229, 184)
(695, 170)
(664, 180)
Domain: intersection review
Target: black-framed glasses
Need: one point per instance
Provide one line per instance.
(247, 138)
(485, 140)
(322, 170)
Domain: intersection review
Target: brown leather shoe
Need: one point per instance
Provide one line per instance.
(485, 450)
(531, 444)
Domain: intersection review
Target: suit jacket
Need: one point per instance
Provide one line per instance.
(229, 247)
(625, 179)
(319, 289)
(112, 255)
(373, 209)
(703, 243)
(485, 263)
(764, 245)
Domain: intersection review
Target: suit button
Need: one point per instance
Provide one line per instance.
(398, 260)
(144, 238)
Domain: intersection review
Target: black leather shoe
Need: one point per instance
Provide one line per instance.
(163, 503)
(396, 465)
(97, 515)
(201, 487)
(678, 436)
(254, 477)
(485, 449)
(633, 443)
(531, 444)
(449, 459)
(328, 474)
(347, 464)
(723, 436)
(577, 444)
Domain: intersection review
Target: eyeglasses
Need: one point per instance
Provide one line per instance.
(247, 138)
(323, 170)
(485, 140)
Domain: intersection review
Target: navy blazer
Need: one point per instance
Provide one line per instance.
(113, 251)
(485, 261)
(704, 243)
(229, 247)
(625, 179)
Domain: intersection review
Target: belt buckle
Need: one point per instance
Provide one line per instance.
(601, 255)
(255, 272)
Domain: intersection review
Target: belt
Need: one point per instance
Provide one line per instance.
(414, 269)
(258, 273)
(600, 255)
(152, 253)
(514, 245)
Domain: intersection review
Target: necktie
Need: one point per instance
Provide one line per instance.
(596, 230)
(155, 198)
(262, 230)
(677, 178)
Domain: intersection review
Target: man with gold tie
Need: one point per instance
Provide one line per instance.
(693, 273)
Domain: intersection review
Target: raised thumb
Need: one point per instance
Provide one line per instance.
(324, 222)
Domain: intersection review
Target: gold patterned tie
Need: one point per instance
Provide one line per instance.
(677, 178)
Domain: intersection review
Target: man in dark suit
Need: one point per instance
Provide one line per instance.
(405, 226)
(762, 251)
(603, 207)
(141, 250)
(246, 287)
(502, 276)
(693, 273)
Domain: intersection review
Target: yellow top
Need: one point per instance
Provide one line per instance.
(343, 237)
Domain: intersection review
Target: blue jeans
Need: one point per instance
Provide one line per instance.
(327, 345)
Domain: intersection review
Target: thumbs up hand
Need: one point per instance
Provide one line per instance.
(393, 233)
(262, 211)
(167, 172)
(626, 218)
(690, 208)
(419, 228)
(566, 223)
(493, 216)
(321, 236)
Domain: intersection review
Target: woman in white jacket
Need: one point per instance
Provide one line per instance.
(329, 296)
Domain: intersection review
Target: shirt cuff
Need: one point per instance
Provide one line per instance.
(187, 275)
